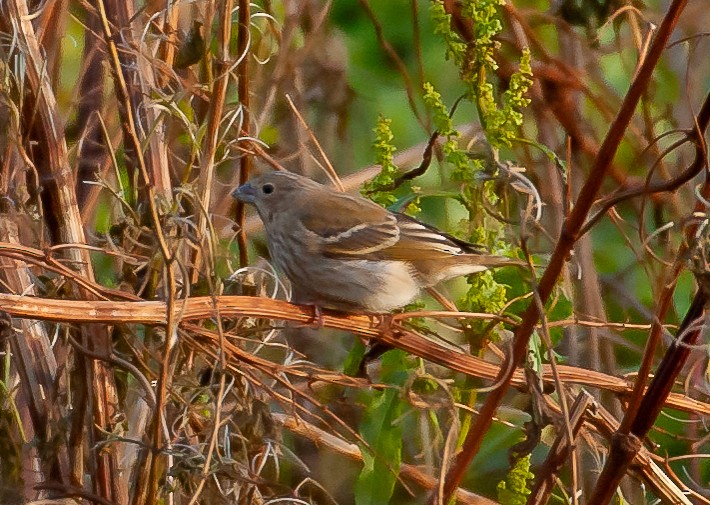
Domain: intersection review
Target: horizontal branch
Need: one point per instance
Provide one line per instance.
(154, 313)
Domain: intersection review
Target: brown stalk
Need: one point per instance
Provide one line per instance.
(597, 419)
(276, 376)
(558, 82)
(138, 81)
(401, 67)
(37, 367)
(214, 119)
(328, 166)
(626, 443)
(92, 158)
(245, 161)
(645, 404)
(151, 179)
(239, 361)
(167, 48)
(559, 452)
(665, 298)
(603, 422)
(568, 237)
(156, 313)
(417, 41)
(698, 163)
(62, 211)
(128, 124)
(35, 257)
(51, 29)
(324, 439)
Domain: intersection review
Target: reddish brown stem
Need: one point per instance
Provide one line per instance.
(669, 286)
(643, 409)
(568, 236)
(401, 67)
(624, 445)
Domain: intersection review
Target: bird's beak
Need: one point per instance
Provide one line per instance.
(245, 193)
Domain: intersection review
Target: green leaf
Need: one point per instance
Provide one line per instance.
(383, 456)
(354, 358)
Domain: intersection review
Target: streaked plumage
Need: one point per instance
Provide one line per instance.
(346, 252)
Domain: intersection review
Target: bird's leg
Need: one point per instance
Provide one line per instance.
(383, 322)
(317, 322)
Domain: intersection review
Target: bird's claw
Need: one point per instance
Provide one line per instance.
(318, 321)
(383, 322)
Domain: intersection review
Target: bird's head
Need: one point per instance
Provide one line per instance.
(275, 192)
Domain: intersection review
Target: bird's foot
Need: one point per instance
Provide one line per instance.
(317, 321)
(383, 322)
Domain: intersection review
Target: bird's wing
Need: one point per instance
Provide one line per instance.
(355, 228)
(351, 226)
(434, 251)
(419, 241)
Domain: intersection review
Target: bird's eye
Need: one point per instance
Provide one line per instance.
(267, 189)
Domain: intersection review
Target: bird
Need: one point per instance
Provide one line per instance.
(347, 253)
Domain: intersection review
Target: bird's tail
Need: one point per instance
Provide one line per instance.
(466, 264)
(493, 261)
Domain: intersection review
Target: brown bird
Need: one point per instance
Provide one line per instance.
(347, 253)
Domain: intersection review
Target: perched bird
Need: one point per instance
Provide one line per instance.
(347, 253)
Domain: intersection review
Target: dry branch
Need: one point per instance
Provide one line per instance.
(154, 313)
(568, 236)
(65, 226)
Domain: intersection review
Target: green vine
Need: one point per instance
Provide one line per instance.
(500, 120)
(514, 489)
(384, 156)
(380, 188)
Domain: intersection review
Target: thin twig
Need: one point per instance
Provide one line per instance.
(245, 161)
(330, 170)
(569, 235)
(401, 67)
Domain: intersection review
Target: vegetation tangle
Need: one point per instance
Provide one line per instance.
(149, 350)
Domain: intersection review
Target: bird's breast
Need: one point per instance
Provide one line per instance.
(397, 285)
(374, 285)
